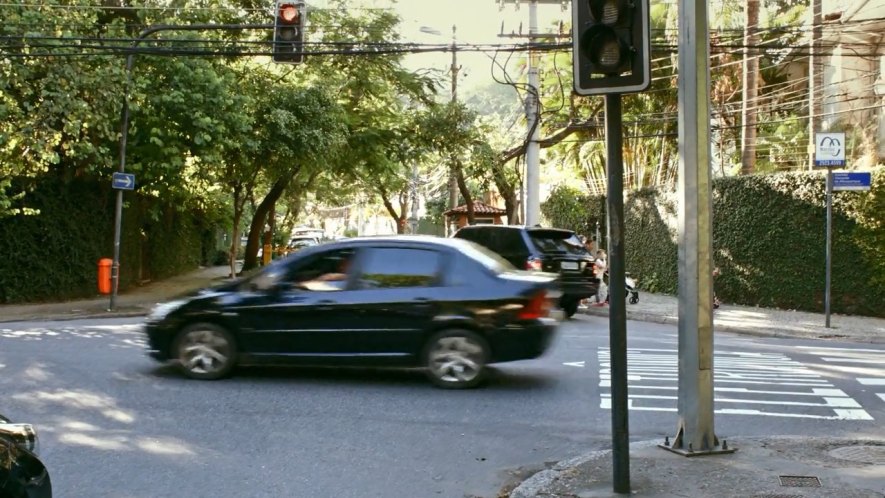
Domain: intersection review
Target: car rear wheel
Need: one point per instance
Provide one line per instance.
(205, 351)
(456, 359)
(569, 305)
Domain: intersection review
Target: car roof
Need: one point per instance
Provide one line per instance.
(392, 240)
(516, 227)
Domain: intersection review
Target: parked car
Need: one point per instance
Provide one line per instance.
(299, 242)
(546, 249)
(447, 305)
(22, 474)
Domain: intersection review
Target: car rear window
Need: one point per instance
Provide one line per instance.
(557, 241)
(484, 256)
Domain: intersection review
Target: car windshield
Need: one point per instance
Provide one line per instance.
(265, 278)
(485, 257)
(558, 241)
(302, 243)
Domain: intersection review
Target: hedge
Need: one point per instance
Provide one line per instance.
(769, 234)
(51, 250)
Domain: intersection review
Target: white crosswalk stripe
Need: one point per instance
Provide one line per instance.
(867, 366)
(745, 383)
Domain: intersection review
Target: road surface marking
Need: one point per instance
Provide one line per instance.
(574, 364)
(872, 381)
(781, 386)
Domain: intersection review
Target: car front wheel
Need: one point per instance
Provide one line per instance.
(205, 351)
(456, 359)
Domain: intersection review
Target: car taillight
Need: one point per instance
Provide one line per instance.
(537, 307)
(533, 263)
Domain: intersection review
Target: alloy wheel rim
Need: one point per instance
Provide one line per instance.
(204, 351)
(456, 359)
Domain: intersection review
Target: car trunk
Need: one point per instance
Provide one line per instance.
(562, 253)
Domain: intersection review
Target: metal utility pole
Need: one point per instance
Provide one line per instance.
(695, 432)
(124, 127)
(829, 251)
(533, 149)
(453, 180)
(815, 79)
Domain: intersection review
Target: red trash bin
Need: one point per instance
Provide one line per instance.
(104, 275)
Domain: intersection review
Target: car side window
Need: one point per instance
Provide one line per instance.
(512, 240)
(398, 267)
(324, 272)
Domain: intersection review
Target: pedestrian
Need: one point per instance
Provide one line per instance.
(715, 299)
(600, 268)
(590, 244)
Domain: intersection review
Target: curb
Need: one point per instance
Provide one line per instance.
(534, 485)
(63, 317)
(668, 320)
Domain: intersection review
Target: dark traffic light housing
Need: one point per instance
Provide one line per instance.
(611, 46)
(288, 31)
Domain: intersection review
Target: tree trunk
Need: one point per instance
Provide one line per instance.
(259, 220)
(239, 200)
(749, 109)
(267, 254)
(507, 191)
(398, 218)
(465, 192)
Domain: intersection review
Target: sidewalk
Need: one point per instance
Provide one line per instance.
(759, 321)
(772, 467)
(762, 467)
(650, 308)
(134, 302)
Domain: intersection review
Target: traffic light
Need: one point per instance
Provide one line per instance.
(288, 32)
(611, 46)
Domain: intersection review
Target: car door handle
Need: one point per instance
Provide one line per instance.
(423, 301)
(325, 304)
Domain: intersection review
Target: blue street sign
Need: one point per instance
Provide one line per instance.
(852, 181)
(123, 181)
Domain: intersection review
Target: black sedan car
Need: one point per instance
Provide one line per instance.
(448, 305)
(22, 474)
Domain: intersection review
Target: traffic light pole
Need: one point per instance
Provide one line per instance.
(124, 127)
(617, 318)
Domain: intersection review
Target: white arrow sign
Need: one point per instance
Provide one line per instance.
(579, 364)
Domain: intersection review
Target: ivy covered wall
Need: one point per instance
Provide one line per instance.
(51, 249)
(768, 240)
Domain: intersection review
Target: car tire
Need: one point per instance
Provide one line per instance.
(569, 305)
(205, 351)
(456, 359)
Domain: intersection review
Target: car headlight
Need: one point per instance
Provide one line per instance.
(161, 310)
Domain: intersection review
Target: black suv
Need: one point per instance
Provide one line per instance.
(546, 249)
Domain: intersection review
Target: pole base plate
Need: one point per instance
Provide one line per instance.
(688, 452)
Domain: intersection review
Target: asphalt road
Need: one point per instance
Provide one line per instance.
(115, 424)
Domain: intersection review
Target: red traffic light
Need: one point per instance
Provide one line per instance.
(289, 13)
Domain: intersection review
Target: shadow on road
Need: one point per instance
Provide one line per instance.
(498, 379)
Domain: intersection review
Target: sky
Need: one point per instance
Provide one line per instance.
(476, 22)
